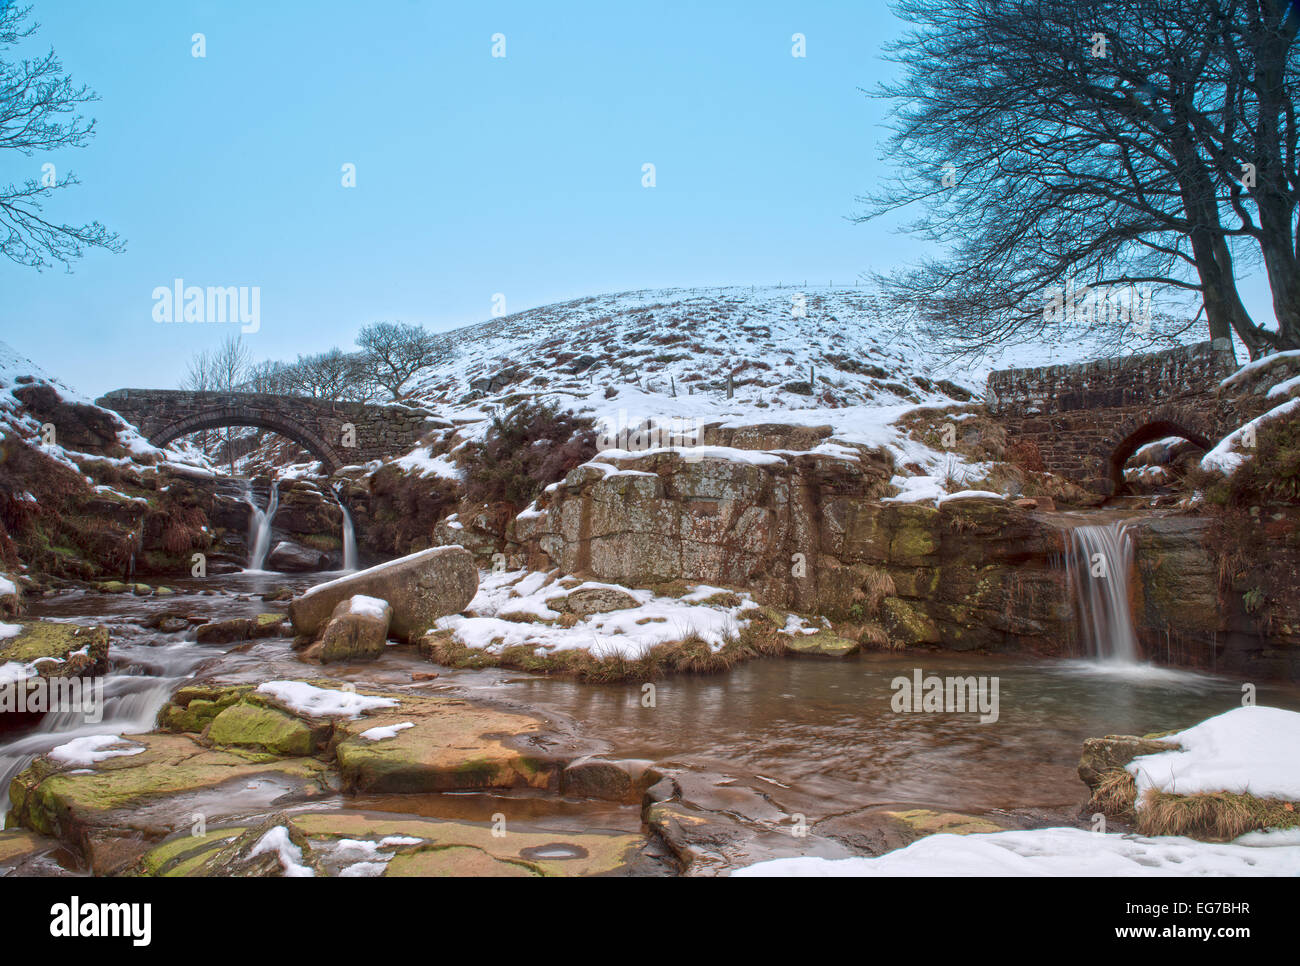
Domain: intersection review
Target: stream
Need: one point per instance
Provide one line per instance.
(818, 733)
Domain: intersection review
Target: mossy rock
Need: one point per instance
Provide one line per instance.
(57, 646)
(906, 624)
(184, 854)
(192, 708)
(821, 644)
(115, 812)
(249, 725)
(924, 821)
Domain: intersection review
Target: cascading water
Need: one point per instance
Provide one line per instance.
(260, 532)
(349, 539)
(1098, 561)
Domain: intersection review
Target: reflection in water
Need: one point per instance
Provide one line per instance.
(827, 728)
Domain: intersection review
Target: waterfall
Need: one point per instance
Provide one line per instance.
(349, 539)
(1098, 561)
(260, 533)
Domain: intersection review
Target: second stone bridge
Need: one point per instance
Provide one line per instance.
(1087, 419)
(336, 433)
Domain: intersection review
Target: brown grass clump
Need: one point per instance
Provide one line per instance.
(1212, 816)
(1115, 794)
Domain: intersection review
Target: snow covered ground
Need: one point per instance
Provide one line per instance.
(1246, 750)
(666, 354)
(1059, 852)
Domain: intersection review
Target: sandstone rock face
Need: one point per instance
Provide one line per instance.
(421, 588)
(809, 531)
(357, 631)
(1183, 614)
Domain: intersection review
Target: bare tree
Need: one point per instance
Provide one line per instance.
(39, 113)
(334, 375)
(396, 351)
(1100, 140)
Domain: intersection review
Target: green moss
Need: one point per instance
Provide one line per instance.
(249, 726)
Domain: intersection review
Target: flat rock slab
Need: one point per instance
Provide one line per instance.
(451, 745)
(111, 812)
(401, 846)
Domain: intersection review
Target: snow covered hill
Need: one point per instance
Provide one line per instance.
(811, 357)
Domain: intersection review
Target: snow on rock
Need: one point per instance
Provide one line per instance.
(277, 841)
(1246, 750)
(628, 632)
(969, 494)
(1258, 365)
(388, 731)
(1225, 457)
(368, 606)
(317, 702)
(1053, 852)
(90, 749)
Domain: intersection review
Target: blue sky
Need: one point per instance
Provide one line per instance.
(475, 175)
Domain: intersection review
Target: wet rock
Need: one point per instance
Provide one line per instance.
(453, 848)
(167, 623)
(240, 629)
(821, 644)
(115, 811)
(21, 851)
(357, 631)
(225, 632)
(608, 780)
(289, 557)
(420, 588)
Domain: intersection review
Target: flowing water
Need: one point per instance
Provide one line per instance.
(260, 531)
(819, 734)
(349, 539)
(1098, 562)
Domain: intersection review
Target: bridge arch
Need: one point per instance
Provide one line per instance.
(222, 416)
(1136, 431)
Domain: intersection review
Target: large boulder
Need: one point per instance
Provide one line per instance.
(420, 588)
(357, 631)
(289, 557)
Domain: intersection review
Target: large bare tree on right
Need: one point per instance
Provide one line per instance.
(1105, 142)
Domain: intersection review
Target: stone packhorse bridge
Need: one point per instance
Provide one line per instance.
(1088, 419)
(337, 434)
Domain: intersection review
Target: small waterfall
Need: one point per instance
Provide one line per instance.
(1098, 561)
(349, 539)
(260, 532)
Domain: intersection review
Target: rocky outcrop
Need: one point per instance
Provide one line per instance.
(421, 588)
(812, 532)
(1189, 611)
